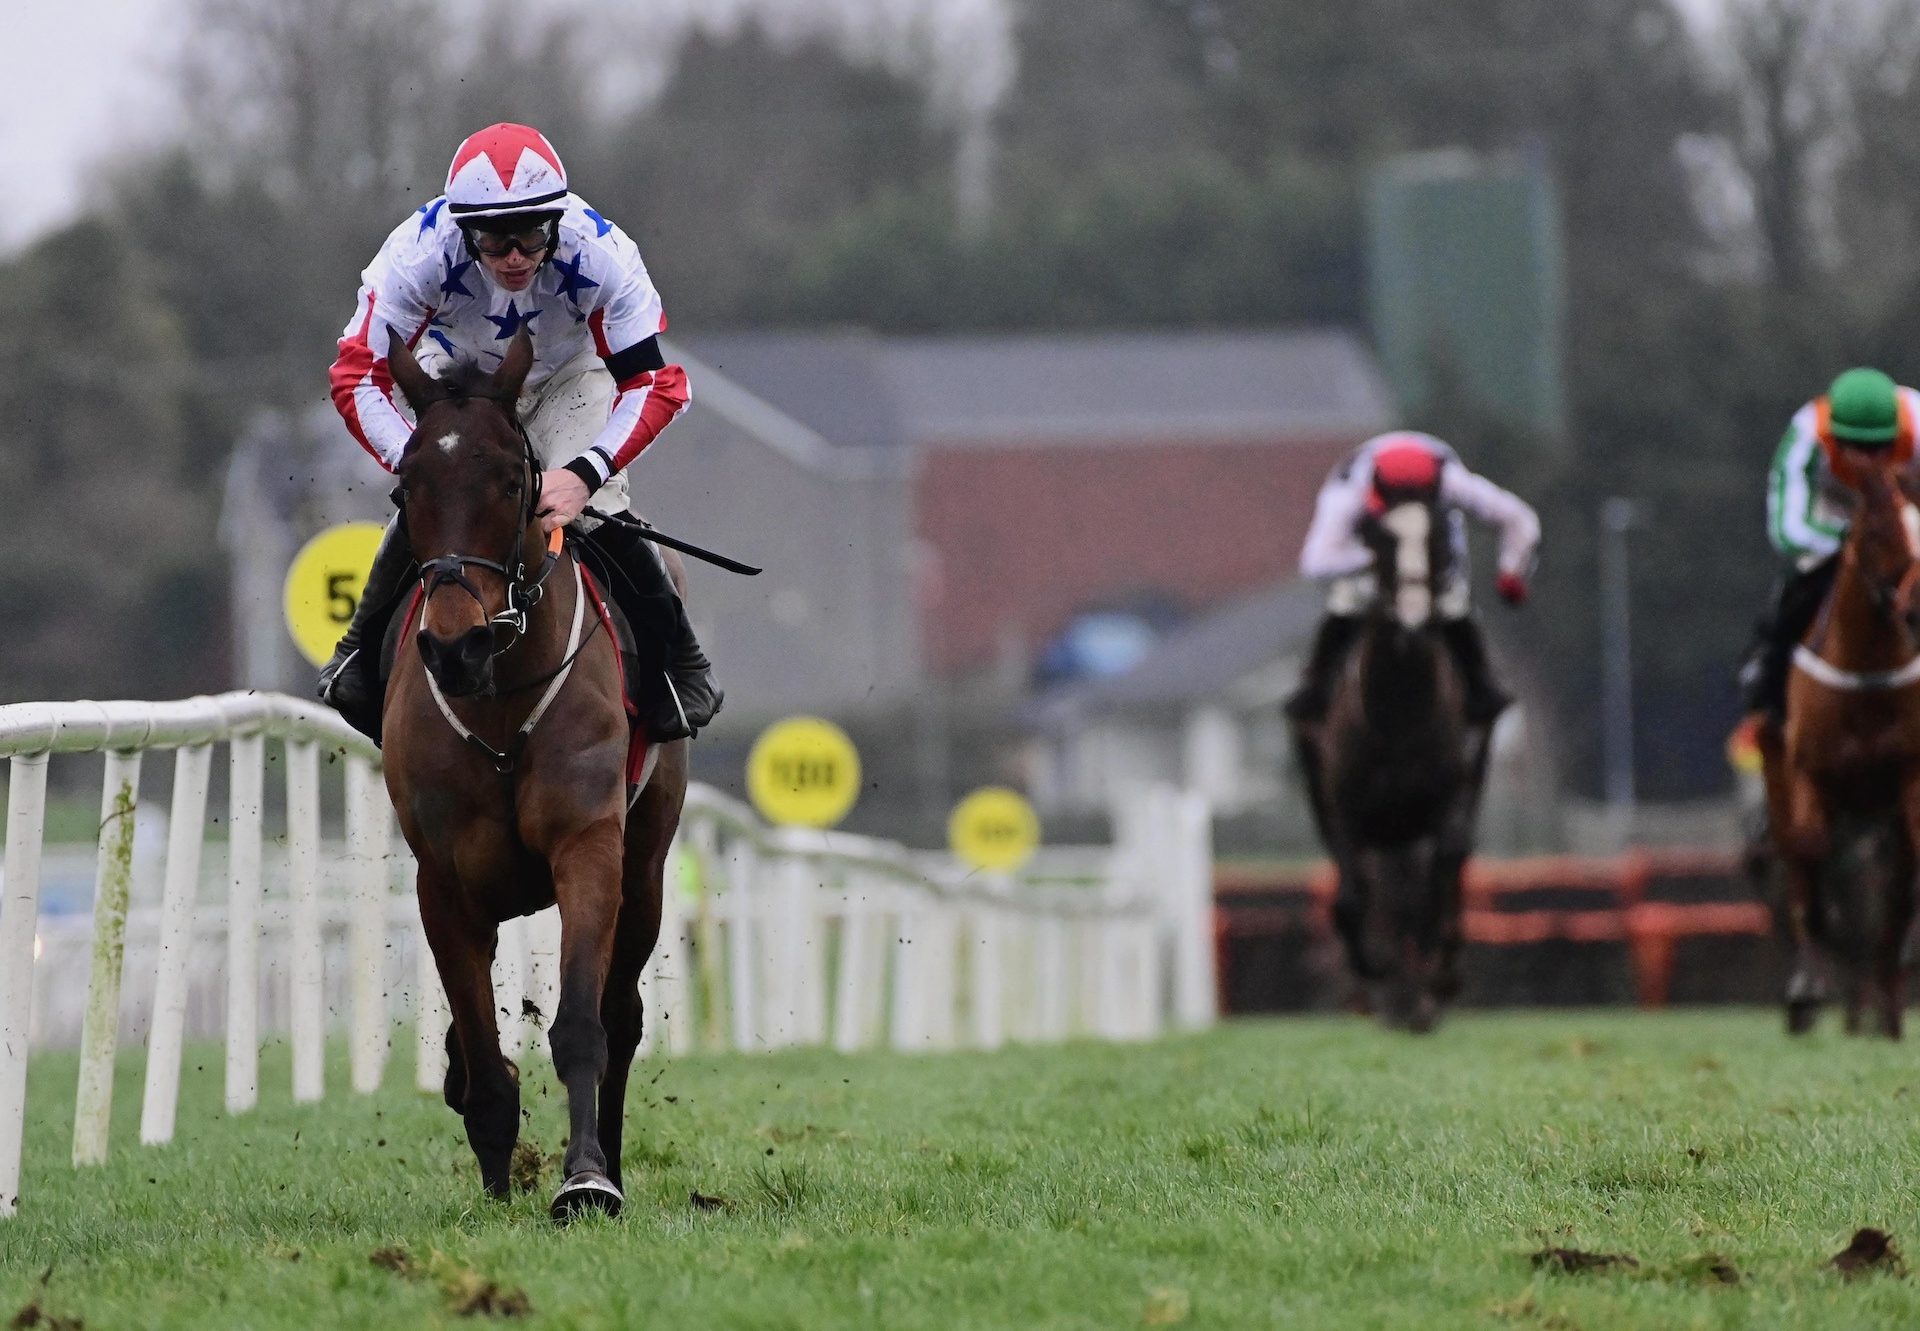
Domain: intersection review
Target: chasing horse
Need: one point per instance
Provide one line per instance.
(1392, 719)
(1835, 681)
(538, 692)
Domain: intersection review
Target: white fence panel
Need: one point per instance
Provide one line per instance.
(768, 938)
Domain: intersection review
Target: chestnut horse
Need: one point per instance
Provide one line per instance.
(1843, 774)
(1398, 768)
(507, 760)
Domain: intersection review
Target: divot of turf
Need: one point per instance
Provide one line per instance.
(1870, 1253)
(527, 1165)
(1572, 1261)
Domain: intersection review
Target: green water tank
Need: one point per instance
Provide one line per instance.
(1466, 285)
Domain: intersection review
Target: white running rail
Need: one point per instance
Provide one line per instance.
(770, 937)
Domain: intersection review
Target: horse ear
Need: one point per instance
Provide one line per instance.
(512, 374)
(419, 387)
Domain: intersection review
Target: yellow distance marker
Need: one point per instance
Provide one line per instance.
(803, 772)
(323, 586)
(994, 829)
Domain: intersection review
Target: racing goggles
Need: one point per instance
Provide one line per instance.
(532, 242)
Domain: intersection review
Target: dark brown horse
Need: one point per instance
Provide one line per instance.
(1399, 769)
(507, 759)
(1843, 774)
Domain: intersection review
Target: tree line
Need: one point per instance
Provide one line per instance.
(1739, 217)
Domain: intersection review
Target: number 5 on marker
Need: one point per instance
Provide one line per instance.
(323, 585)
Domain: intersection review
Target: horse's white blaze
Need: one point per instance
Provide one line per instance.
(1910, 519)
(449, 441)
(1411, 525)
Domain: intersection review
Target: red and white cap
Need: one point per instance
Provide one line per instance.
(504, 169)
(1406, 462)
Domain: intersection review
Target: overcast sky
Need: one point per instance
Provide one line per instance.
(83, 78)
(89, 79)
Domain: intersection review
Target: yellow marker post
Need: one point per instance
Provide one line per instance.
(323, 585)
(803, 772)
(994, 829)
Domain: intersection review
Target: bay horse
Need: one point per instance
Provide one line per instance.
(1397, 768)
(1843, 773)
(507, 758)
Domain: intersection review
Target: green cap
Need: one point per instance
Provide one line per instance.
(1863, 409)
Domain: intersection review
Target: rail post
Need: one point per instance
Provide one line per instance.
(112, 888)
(186, 830)
(19, 918)
(246, 813)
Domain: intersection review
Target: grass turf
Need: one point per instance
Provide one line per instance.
(1311, 1173)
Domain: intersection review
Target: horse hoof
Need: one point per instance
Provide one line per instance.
(585, 1191)
(1801, 1014)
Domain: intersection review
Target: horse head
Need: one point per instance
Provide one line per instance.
(1884, 546)
(469, 490)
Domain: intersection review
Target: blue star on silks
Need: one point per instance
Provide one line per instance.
(430, 214)
(572, 280)
(453, 286)
(434, 332)
(601, 224)
(510, 322)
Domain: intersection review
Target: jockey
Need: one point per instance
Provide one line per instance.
(1810, 501)
(1408, 462)
(509, 247)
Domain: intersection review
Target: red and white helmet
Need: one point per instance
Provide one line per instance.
(505, 169)
(1406, 465)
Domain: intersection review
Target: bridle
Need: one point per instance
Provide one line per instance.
(509, 625)
(523, 594)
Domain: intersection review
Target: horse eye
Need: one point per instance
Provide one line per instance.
(513, 489)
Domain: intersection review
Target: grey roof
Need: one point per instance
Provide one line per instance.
(862, 389)
(837, 377)
(1198, 660)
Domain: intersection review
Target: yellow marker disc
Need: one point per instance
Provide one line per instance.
(994, 828)
(803, 772)
(323, 586)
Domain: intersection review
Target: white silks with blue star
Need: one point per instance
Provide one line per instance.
(593, 294)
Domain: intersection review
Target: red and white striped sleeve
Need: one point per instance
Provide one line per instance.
(624, 323)
(390, 305)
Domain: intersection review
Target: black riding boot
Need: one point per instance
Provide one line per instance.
(1330, 644)
(686, 697)
(350, 682)
(1485, 698)
(1797, 598)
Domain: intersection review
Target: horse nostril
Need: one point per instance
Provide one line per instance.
(475, 648)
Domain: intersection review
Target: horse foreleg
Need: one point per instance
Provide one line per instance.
(650, 828)
(1805, 839)
(586, 878)
(489, 1093)
(1897, 945)
(621, 1011)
